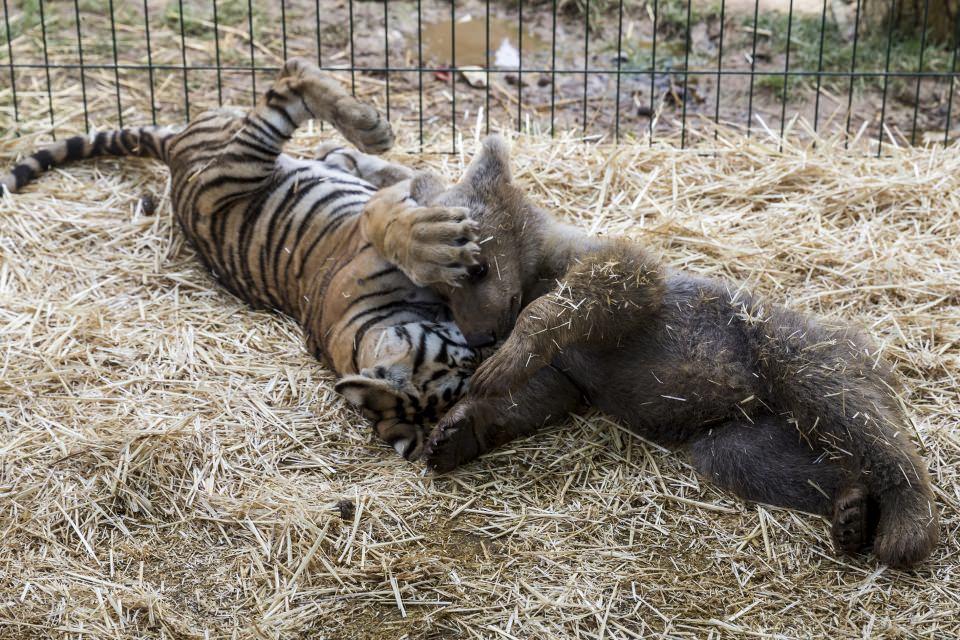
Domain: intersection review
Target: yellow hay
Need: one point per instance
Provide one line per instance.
(176, 465)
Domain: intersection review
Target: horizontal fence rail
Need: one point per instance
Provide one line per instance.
(607, 69)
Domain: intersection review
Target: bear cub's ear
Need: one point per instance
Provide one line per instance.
(491, 165)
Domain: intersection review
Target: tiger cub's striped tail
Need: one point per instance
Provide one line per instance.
(145, 142)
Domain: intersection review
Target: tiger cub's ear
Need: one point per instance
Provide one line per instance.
(372, 394)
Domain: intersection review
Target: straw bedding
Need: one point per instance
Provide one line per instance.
(175, 465)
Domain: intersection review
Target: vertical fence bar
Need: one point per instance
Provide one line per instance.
(520, 66)
(586, 60)
(316, 15)
(216, 48)
(653, 68)
(886, 77)
(420, 67)
(453, 77)
(13, 79)
(183, 62)
(283, 27)
(486, 49)
(386, 52)
(146, 29)
(46, 68)
(753, 64)
(116, 68)
(716, 109)
(686, 78)
(953, 72)
(786, 78)
(253, 57)
(619, 59)
(816, 104)
(353, 62)
(553, 66)
(916, 95)
(853, 70)
(83, 79)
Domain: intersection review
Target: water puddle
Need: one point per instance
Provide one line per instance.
(471, 37)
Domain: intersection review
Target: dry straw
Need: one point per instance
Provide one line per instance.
(172, 462)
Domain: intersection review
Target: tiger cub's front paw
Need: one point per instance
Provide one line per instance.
(440, 245)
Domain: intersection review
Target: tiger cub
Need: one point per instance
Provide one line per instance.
(291, 235)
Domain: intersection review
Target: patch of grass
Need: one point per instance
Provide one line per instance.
(672, 15)
(804, 40)
(671, 40)
(232, 13)
(26, 21)
(123, 12)
(579, 7)
(638, 54)
(773, 83)
(597, 9)
(837, 53)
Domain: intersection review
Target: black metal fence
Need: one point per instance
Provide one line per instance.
(667, 70)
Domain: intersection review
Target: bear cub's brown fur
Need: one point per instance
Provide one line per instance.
(773, 405)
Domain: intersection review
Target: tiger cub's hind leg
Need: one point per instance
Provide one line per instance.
(299, 93)
(303, 87)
